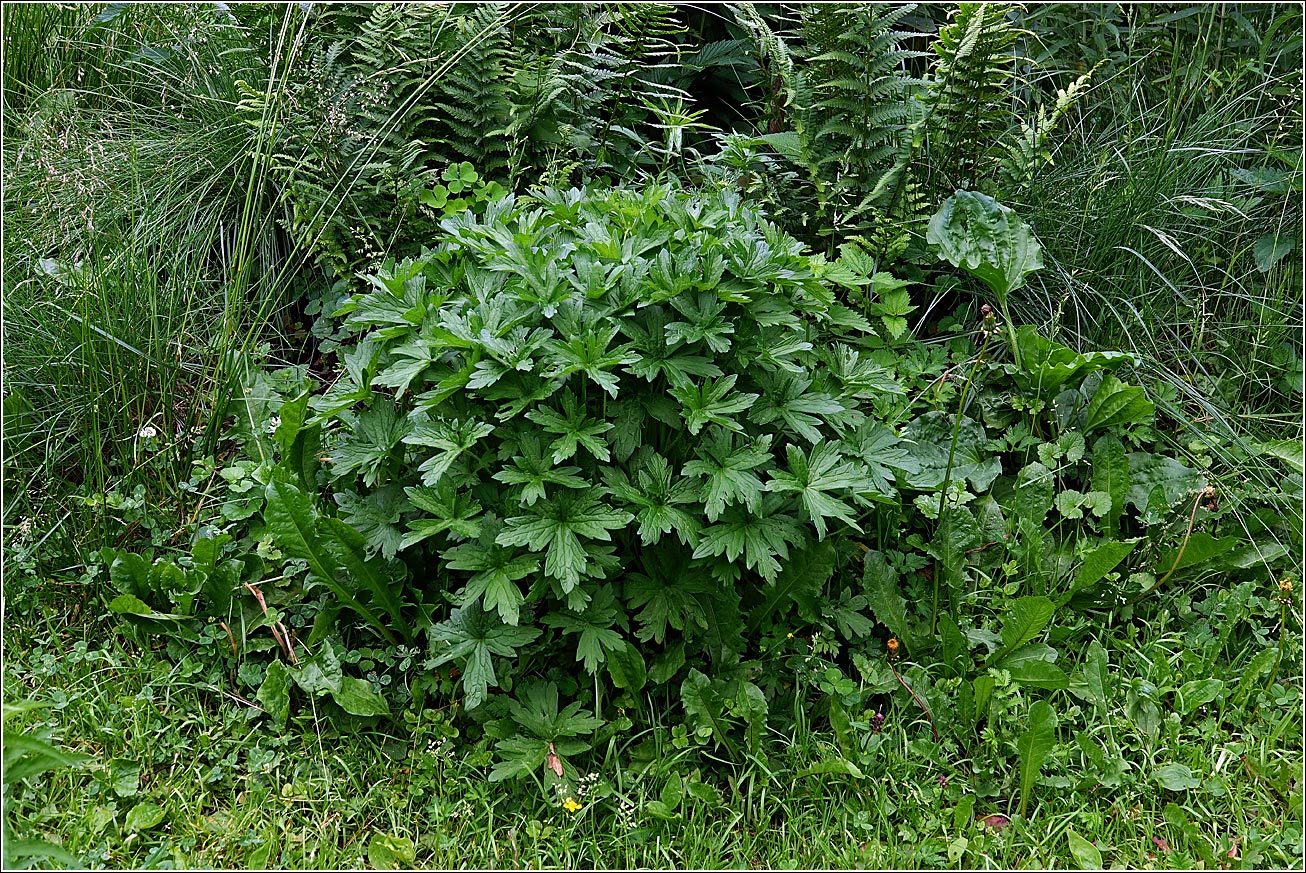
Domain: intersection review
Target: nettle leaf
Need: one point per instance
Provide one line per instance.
(558, 526)
(704, 322)
(713, 403)
(588, 354)
(727, 467)
(459, 514)
(986, 239)
(531, 470)
(787, 398)
(657, 496)
(574, 427)
(813, 477)
(471, 636)
(452, 438)
(372, 437)
(376, 517)
(892, 305)
(667, 594)
(594, 627)
(496, 569)
(760, 538)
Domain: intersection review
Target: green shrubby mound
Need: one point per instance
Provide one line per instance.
(623, 425)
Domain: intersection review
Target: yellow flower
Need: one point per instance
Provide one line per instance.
(1284, 594)
(789, 636)
(571, 804)
(893, 647)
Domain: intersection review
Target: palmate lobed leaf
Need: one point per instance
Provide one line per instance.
(727, 467)
(657, 497)
(454, 512)
(667, 594)
(712, 403)
(575, 429)
(556, 528)
(683, 313)
(472, 636)
(451, 439)
(762, 539)
(588, 354)
(593, 627)
(531, 470)
(813, 477)
(497, 571)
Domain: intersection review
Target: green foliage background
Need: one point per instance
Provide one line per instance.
(599, 381)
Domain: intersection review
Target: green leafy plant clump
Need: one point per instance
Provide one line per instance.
(596, 422)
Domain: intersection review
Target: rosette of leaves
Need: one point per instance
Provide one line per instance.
(597, 422)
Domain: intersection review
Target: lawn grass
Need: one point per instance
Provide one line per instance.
(233, 792)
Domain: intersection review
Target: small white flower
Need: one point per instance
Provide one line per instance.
(273, 423)
(147, 433)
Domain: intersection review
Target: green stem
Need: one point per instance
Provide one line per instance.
(1197, 502)
(947, 473)
(925, 709)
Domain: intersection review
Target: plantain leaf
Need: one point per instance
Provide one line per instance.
(1200, 548)
(626, 667)
(1115, 403)
(1085, 853)
(981, 236)
(1033, 497)
(1097, 563)
(1111, 476)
